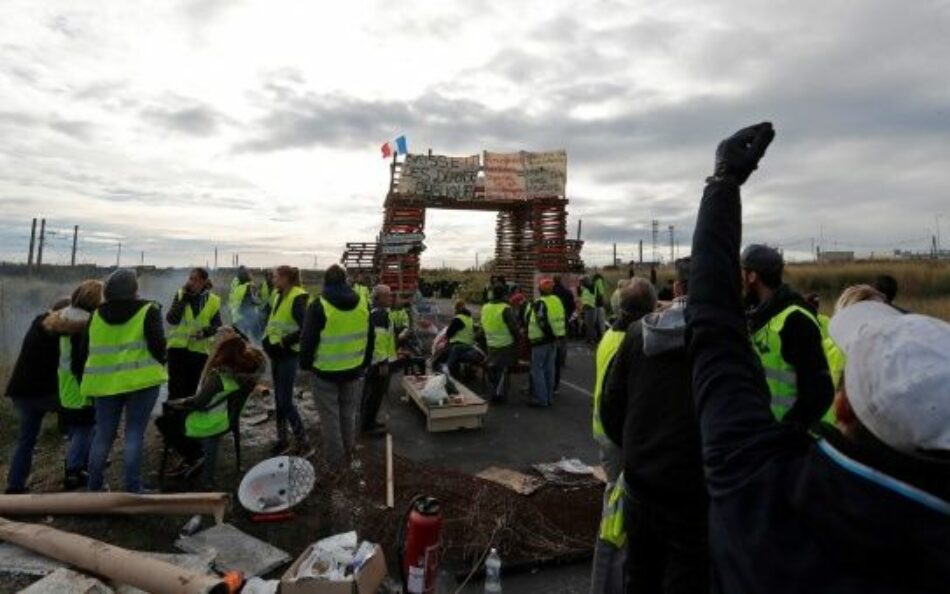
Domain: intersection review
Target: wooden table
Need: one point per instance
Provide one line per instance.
(468, 412)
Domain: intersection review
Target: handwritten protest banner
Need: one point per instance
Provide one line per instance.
(439, 176)
(524, 175)
(545, 174)
(504, 176)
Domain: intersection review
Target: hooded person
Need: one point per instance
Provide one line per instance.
(193, 426)
(648, 411)
(123, 366)
(861, 507)
(546, 325)
(336, 347)
(193, 318)
(501, 329)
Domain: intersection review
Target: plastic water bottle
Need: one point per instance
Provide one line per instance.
(493, 572)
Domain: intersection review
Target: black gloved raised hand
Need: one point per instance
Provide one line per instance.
(738, 156)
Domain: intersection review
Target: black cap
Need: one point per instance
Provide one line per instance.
(762, 258)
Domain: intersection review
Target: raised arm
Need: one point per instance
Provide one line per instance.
(739, 433)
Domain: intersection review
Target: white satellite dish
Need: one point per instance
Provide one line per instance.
(276, 484)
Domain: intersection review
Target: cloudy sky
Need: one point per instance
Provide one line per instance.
(255, 126)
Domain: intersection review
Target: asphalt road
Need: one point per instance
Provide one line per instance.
(514, 436)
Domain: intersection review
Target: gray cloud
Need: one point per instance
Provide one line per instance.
(76, 129)
(194, 120)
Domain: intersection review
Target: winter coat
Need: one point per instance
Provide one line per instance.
(34, 375)
(790, 512)
(342, 297)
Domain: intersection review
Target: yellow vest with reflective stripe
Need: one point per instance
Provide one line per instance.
(119, 360)
(836, 361)
(587, 297)
(236, 298)
(384, 344)
(399, 318)
(780, 376)
(467, 334)
(69, 396)
(612, 528)
(608, 347)
(497, 334)
(343, 340)
(181, 335)
(555, 311)
(213, 420)
(265, 294)
(281, 321)
(363, 292)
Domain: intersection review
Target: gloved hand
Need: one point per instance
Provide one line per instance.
(738, 156)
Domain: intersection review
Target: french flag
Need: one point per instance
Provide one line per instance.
(397, 146)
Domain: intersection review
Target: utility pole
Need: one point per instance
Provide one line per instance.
(72, 258)
(937, 225)
(579, 223)
(142, 259)
(672, 244)
(29, 261)
(655, 226)
(118, 255)
(476, 260)
(615, 253)
(641, 251)
(215, 257)
(39, 252)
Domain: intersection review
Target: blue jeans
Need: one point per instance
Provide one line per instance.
(31, 413)
(138, 407)
(543, 362)
(284, 373)
(77, 452)
(461, 353)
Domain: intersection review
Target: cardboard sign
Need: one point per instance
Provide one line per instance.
(439, 176)
(524, 175)
(545, 173)
(504, 176)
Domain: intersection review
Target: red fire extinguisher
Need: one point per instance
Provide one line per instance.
(420, 542)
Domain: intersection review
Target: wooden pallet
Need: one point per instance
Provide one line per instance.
(469, 414)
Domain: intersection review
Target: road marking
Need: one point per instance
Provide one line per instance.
(564, 382)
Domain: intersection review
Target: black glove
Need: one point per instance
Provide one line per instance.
(738, 156)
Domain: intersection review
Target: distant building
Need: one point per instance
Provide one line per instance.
(835, 257)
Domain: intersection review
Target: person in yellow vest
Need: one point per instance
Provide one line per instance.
(600, 300)
(501, 328)
(123, 368)
(285, 319)
(76, 413)
(787, 338)
(636, 298)
(244, 304)
(193, 318)
(588, 299)
(546, 324)
(337, 346)
(361, 288)
(192, 426)
(460, 335)
(383, 363)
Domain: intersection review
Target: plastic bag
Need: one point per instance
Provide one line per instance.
(434, 391)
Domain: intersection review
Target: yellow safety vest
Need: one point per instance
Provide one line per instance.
(780, 376)
(69, 396)
(281, 321)
(587, 297)
(555, 311)
(363, 292)
(836, 361)
(399, 318)
(119, 360)
(181, 335)
(343, 340)
(608, 347)
(214, 419)
(497, 334)
(384, 345)
(612, 528)
(467, 334)
(236, 298)
(265, 294)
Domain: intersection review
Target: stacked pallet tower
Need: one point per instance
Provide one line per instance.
(531, 238)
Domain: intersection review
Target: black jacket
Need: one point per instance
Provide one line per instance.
(789, 513)
(344, 298)
(802, 349)
(539, 309)
(34, 374)
(567, 299)
(456, 324)
(119, 312)
(649, 412)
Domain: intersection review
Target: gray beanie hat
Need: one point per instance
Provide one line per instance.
(122, 285)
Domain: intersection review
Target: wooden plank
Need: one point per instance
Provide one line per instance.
(469, 414)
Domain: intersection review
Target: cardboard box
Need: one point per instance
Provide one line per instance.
(367, 579)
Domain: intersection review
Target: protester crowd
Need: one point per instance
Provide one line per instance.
(750, 442)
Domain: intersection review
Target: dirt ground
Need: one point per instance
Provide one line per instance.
(552, 522)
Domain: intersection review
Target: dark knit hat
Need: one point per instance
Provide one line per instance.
(762, 258)
(122, 285)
